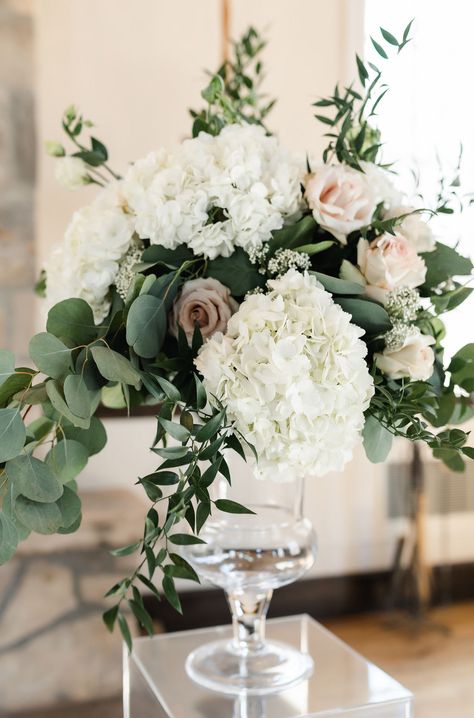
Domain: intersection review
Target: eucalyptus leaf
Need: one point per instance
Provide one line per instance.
(78, 397)
(338, 286)
(236, 272)
(115, 367)
(366, 314)
(34, 479)
(146, 325)
(8, 538)
(50, 355)
(72, 319)
(94, 438)
(67, 459)
(44, 518)
(69, 505)
(57, 400)
(377, 440)
(12, 433)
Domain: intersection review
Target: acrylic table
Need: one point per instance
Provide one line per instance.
(343, 684)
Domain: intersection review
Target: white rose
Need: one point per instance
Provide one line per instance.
(389, 262)
(341, 199)
(414, 228)
(71, 172)
(413, 359)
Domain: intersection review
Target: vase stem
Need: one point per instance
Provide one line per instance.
(249, 612)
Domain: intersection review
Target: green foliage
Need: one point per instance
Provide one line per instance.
(351, 138)
(67, 459)
(50, 355)
(34, 479)
(72, 320)
(233, 93)
(12, 433)
(377, 440)
(115, 367)
(444, 263)
(239, 274)
(369, 315)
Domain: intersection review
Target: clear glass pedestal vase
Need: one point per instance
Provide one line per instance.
(249, 556)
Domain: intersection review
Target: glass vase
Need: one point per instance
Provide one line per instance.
(249, 556)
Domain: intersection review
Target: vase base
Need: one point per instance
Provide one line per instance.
(275, 667)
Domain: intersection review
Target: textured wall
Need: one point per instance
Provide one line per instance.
(17, 174)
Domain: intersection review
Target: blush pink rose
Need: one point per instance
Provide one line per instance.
(414, 228)
(341, 199)
(389, 262)
(206, 302)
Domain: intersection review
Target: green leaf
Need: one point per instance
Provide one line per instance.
(8, 538)
(170, 593)
(162, 478)
(93, 439)
(17, 383)
(315, 248)
(69, 505)
(173, 258)
(72, 528)
(186, 570)
(211, 427)
(201, 396)
(151, 587)
(443, 264)
(462, 368)
(450, 300)
(12, 434)
(78, 397)
(211, 472)
(125, 631)
(57, 400)
(170, 390)
(34, 479)
(72, 319)
(50, 355)
(293, 236)
(379, 49)
(232, 507)
(110, 616)
(391, 39)
(451, 458)
(142, 616)
(184, 539)
(126, 550)
(40, 517)
(202, 513)
(7, 364)
(99, 148)
(236, 272)
(172, 452)
(67, 459)
(175, 430)
(233, 443)
(366, 314)
(146, 325)
(377, 440)
(115, 367)
(363, 74)
(468, 451)
(338, 286)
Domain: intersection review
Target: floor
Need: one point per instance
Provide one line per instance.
(436, 663)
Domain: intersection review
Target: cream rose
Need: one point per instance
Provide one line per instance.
(389, 262)
(414, 228)
(414, 358)
(205, 301)
(341, 199)
(71, 172)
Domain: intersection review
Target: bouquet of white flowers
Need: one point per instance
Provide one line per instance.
(262, 302)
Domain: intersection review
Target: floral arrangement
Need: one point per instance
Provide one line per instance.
(277, 306)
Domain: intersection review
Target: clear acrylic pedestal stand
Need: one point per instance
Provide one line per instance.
(343, 684)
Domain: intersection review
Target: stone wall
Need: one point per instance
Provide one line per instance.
(17, 174)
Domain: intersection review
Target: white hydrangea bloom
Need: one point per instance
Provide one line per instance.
(243, 174)
(292, 375)
(86, 263)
